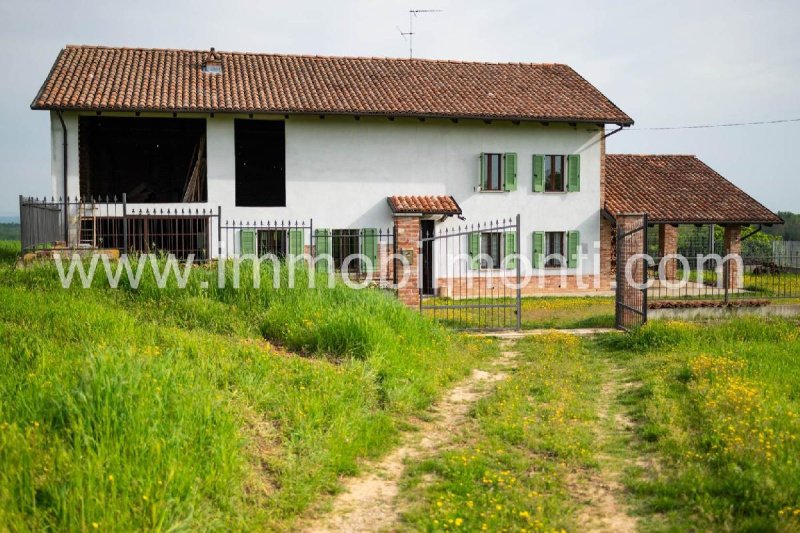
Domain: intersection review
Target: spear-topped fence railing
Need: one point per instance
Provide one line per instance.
(470, 275)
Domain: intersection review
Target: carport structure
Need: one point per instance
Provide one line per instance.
(675, 190)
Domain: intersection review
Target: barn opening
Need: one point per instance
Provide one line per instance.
(151, 160)
(260, 163)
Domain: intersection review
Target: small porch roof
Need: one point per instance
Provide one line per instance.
(425, 205)
(678, 189)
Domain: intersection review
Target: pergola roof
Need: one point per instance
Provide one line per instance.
(678, 189)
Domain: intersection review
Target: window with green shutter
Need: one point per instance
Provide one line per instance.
(369, 247)
(538, 173)
(322, 242)
(574, 173)
(247, 242)
(510, 248)
(510, 171)
(482, 171)
(538, 249)
(492, 177)
(573, 246)
(474, 248)
(296, 241)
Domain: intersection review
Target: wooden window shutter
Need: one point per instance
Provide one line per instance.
(369, 247)
(573, 244)
(474, 247)
(510, 171)
(247, 242)
(482, 172)
(511, 248)
(322, 240)
(538, 249)
(574, 170)
(538, 173)
(296, 241)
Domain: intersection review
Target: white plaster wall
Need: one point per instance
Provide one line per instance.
(339, 172)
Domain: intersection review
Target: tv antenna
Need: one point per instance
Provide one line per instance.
(412, 14)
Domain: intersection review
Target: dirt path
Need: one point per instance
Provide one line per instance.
(600, 491)
(369, 502)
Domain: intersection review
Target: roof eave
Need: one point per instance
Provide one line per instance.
(400, 114)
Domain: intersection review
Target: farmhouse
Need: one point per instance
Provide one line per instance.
(374, 151)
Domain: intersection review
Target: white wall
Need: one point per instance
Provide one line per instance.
(339, 171)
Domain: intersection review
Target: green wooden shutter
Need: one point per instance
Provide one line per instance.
(511, 248)
(538, 173)
(369, 247)
(296, 241)
(474, 249)
(538, 249)
(573, 243)
(482, 172)
(574, 170)
(247, 242)
(322, 240)
(510, 171)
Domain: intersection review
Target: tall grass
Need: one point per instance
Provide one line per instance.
(200, 408)
(720, 405)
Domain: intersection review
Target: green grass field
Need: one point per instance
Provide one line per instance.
(698, 426)
(222, 409)
(558, 312)
(213, 409)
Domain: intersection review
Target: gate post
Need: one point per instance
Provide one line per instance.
(518, 247)
(407, 231)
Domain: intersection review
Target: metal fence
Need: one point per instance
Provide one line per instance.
(705, 271)
(95, 224)
(365, 255)
(632, 274)
(468, 278)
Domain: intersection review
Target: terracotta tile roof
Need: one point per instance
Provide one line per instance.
(128, 79)
(678, 188)
(427, 205)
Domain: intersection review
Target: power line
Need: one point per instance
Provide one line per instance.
(728, 125)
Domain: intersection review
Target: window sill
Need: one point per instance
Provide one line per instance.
(493, 191)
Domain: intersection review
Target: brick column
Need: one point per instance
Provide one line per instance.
(668, 244)
(407, 229)
(733, 247)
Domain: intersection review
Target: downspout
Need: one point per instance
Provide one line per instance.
(66, 201)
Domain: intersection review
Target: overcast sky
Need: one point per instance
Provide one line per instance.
(669, 63)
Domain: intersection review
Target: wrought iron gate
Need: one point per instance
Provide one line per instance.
(470, 275)
(631, 265)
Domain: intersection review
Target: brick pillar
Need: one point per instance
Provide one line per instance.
(407, 229)
(607, 252)
(733, 247)
(668, 244)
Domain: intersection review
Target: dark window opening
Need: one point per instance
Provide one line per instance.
(554, 173)
(151, 160)
(260, 163)
(272, 241)
(490, 246)
(345, 243)
(554, 247)
(493, 172)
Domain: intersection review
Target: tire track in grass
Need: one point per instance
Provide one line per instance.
(600, 492)
(369, 502)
